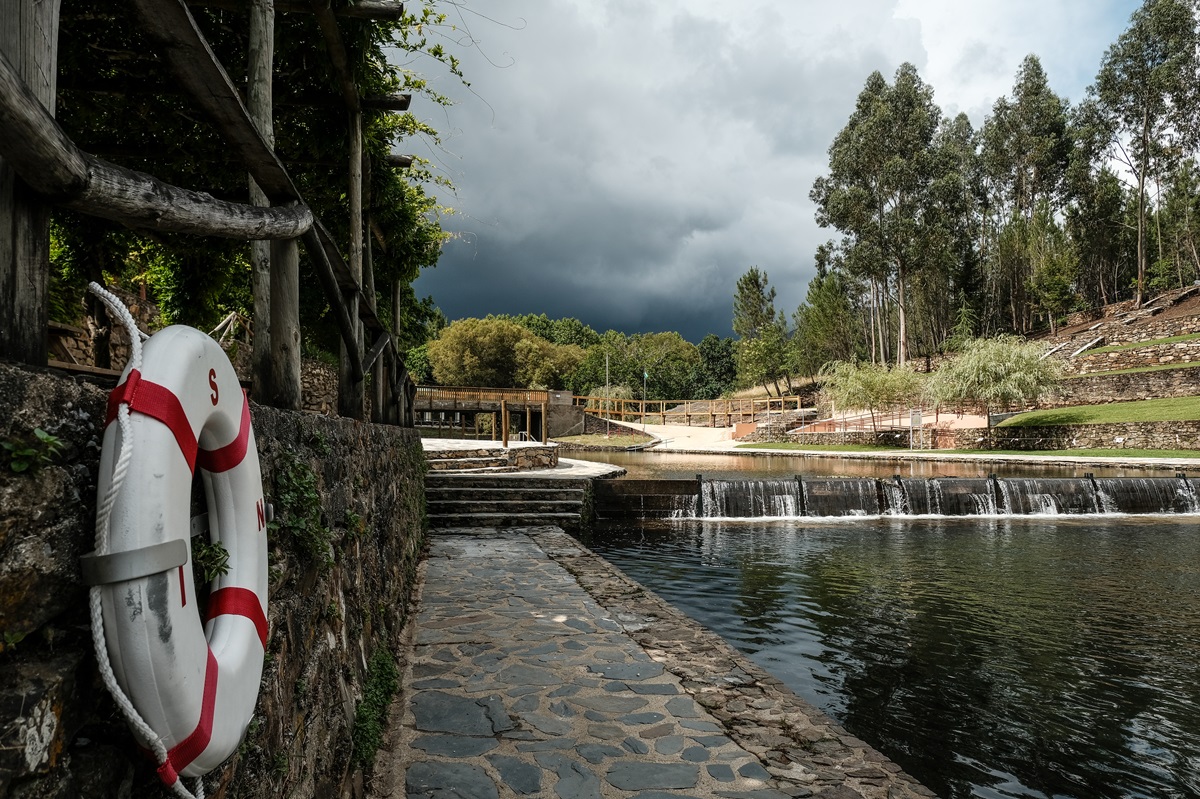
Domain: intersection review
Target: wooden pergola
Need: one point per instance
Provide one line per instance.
(41, 167)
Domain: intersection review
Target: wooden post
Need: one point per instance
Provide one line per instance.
(275, 361)
(545, 423)
(504, 423)
(261, 56)
(351, 391)
(29, 39)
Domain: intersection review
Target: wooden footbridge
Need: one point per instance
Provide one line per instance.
(453, 406)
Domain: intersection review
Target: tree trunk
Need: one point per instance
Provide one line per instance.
(902, 337)
(28, 39)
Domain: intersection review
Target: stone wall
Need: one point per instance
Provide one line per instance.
(349, 504)
(1105, 388)
(1136, 358)
(1128, 435)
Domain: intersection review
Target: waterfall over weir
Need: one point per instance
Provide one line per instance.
(900, 496)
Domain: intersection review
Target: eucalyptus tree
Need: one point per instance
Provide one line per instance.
(1142, 102)
(1177, 212)
(880, 170)
(1025, 152)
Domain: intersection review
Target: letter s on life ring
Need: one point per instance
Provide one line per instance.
(195, 683)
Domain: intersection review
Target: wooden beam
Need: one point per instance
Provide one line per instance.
(91, 84)
(376, 350)
(387, 102)
(337, 53)
(388, 10)
(194, 65)
(316, 244)
(41, 153)
(197, 69)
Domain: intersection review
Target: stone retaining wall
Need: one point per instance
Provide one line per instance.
(1104, 388)
(1136, 358)
(1128, 435)
(349, 504)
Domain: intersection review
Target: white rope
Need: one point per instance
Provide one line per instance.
(103, 520)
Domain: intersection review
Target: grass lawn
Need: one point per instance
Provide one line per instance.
(1140, 344)
(599, 440)
(1171, 409)
(1087, 453)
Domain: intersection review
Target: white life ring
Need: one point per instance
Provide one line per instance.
(194, 683)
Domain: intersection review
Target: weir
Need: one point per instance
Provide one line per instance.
(799, 497)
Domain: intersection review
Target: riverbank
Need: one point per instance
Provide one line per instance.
(707, 441)
(533, 666)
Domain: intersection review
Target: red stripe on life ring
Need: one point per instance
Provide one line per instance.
(235, 601)
(157, 402)
(192, 746)
(232, 454)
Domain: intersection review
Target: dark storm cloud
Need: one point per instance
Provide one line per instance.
(624, 162)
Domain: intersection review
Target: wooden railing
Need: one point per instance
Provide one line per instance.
(467, 396)
(701, 413)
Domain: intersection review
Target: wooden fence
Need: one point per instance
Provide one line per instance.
(698, 413)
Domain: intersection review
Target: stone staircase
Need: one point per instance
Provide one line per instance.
(479, 500)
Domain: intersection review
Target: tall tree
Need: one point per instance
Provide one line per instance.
(880, 169)
(761, 350)
(1142, 96)
(1025, 152)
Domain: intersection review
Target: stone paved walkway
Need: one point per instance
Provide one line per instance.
(518, 683)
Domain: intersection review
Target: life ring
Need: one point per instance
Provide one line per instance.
(194, 683)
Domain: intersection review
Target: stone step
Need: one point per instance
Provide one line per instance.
(454, 454)
(567, 521)
(516, 492)
(462, 464)
(483, 470)
(438, 480)
(505, 506)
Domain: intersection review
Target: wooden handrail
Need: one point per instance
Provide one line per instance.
(467, 394)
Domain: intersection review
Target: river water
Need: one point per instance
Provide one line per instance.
(1038, 656)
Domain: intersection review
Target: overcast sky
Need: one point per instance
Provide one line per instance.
(624, 162)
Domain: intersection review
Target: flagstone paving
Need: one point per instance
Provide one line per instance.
(517, 682)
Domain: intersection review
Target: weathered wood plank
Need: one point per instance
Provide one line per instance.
(318, 252)
(337, 52)
(364, 9)
(41, 153)
(195, 66)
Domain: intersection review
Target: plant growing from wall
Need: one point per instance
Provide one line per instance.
(381, 683)
(210, 559)
(24, 455)
(299, 509)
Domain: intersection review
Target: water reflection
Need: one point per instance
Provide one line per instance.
(996, 657)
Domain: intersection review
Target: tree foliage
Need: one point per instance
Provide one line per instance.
(117, 100)
(995, 373)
